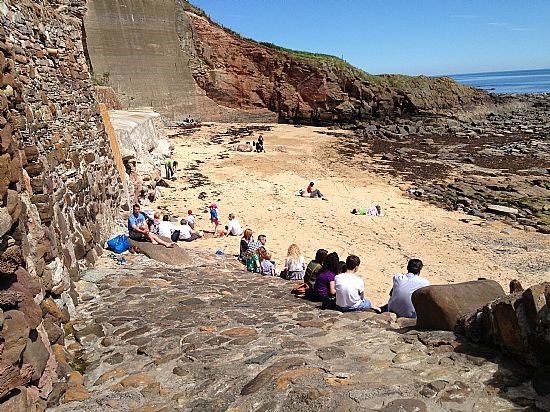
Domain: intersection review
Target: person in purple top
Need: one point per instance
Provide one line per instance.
(324, 288)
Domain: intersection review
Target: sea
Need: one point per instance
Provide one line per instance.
(517, 81)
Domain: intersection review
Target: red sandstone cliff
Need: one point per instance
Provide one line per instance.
(243, 74)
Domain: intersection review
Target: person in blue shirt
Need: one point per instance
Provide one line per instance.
(214, 217)
(139, 230)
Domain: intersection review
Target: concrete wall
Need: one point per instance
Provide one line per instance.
(143, 49)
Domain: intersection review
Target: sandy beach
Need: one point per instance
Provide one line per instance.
(261, 189)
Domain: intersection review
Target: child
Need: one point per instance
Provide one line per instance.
(253, 261)
(267, 267)
(214, 217)
(191, 219)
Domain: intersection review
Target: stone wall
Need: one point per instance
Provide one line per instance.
(518, 324)
(59, 190)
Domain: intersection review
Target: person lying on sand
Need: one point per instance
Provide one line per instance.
(375, 210)
(139, 230)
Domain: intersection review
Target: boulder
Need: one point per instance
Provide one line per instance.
(243, 147)
(24, 400)
(15, 332)
(518, 324)
(504, 210)
(36, 354)
(12, 377)
(172, 256)
(440, 306)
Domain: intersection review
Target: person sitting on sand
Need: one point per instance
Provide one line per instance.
(252, 257)
(191, 219)
(350, 288)
(245, 240)
(313, 193)
(186, 233)
(324, 290)
(375, 210)
(260, 144)
(166, 227)
(234, 227)
(267, 267)
(295, 263)
(214, 217)
(404, 285)
(312, 270)
(170, 167)
(155, 226)
(139, 230)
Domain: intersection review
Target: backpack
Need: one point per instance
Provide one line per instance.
(119, 244)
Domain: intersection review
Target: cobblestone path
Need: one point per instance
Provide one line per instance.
(211, 337)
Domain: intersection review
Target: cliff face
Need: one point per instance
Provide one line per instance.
(240, 73)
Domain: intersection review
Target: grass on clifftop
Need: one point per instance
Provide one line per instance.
(314, 58)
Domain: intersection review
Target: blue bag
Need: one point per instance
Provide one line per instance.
(119, 243)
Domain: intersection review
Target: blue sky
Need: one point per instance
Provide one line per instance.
(429, 37)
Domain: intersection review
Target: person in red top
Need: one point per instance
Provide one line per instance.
(311, 192)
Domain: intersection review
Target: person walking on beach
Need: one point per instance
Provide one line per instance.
(214, 217)
(139, 230)
(170, 166)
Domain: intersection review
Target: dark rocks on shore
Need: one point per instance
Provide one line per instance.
(484, 165)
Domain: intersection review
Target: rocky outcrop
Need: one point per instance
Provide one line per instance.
(197, 67)
(59, 189)
(305, 87)
(440, 306)
(518, 324)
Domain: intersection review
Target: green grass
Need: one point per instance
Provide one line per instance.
(396, 81)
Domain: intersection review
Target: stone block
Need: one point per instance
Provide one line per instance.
(12, 377)
(509, 331)
(534, 301)
(36, 354)
(15, 332)
(440, 306)
(5, 221)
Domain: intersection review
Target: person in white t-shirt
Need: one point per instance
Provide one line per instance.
(186, 233)
(234, 227)
(166, 227)
(404, 285)
(350, 288)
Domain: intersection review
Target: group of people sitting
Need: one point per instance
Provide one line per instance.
(327, 279)
(337, 285)
(143, 227)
